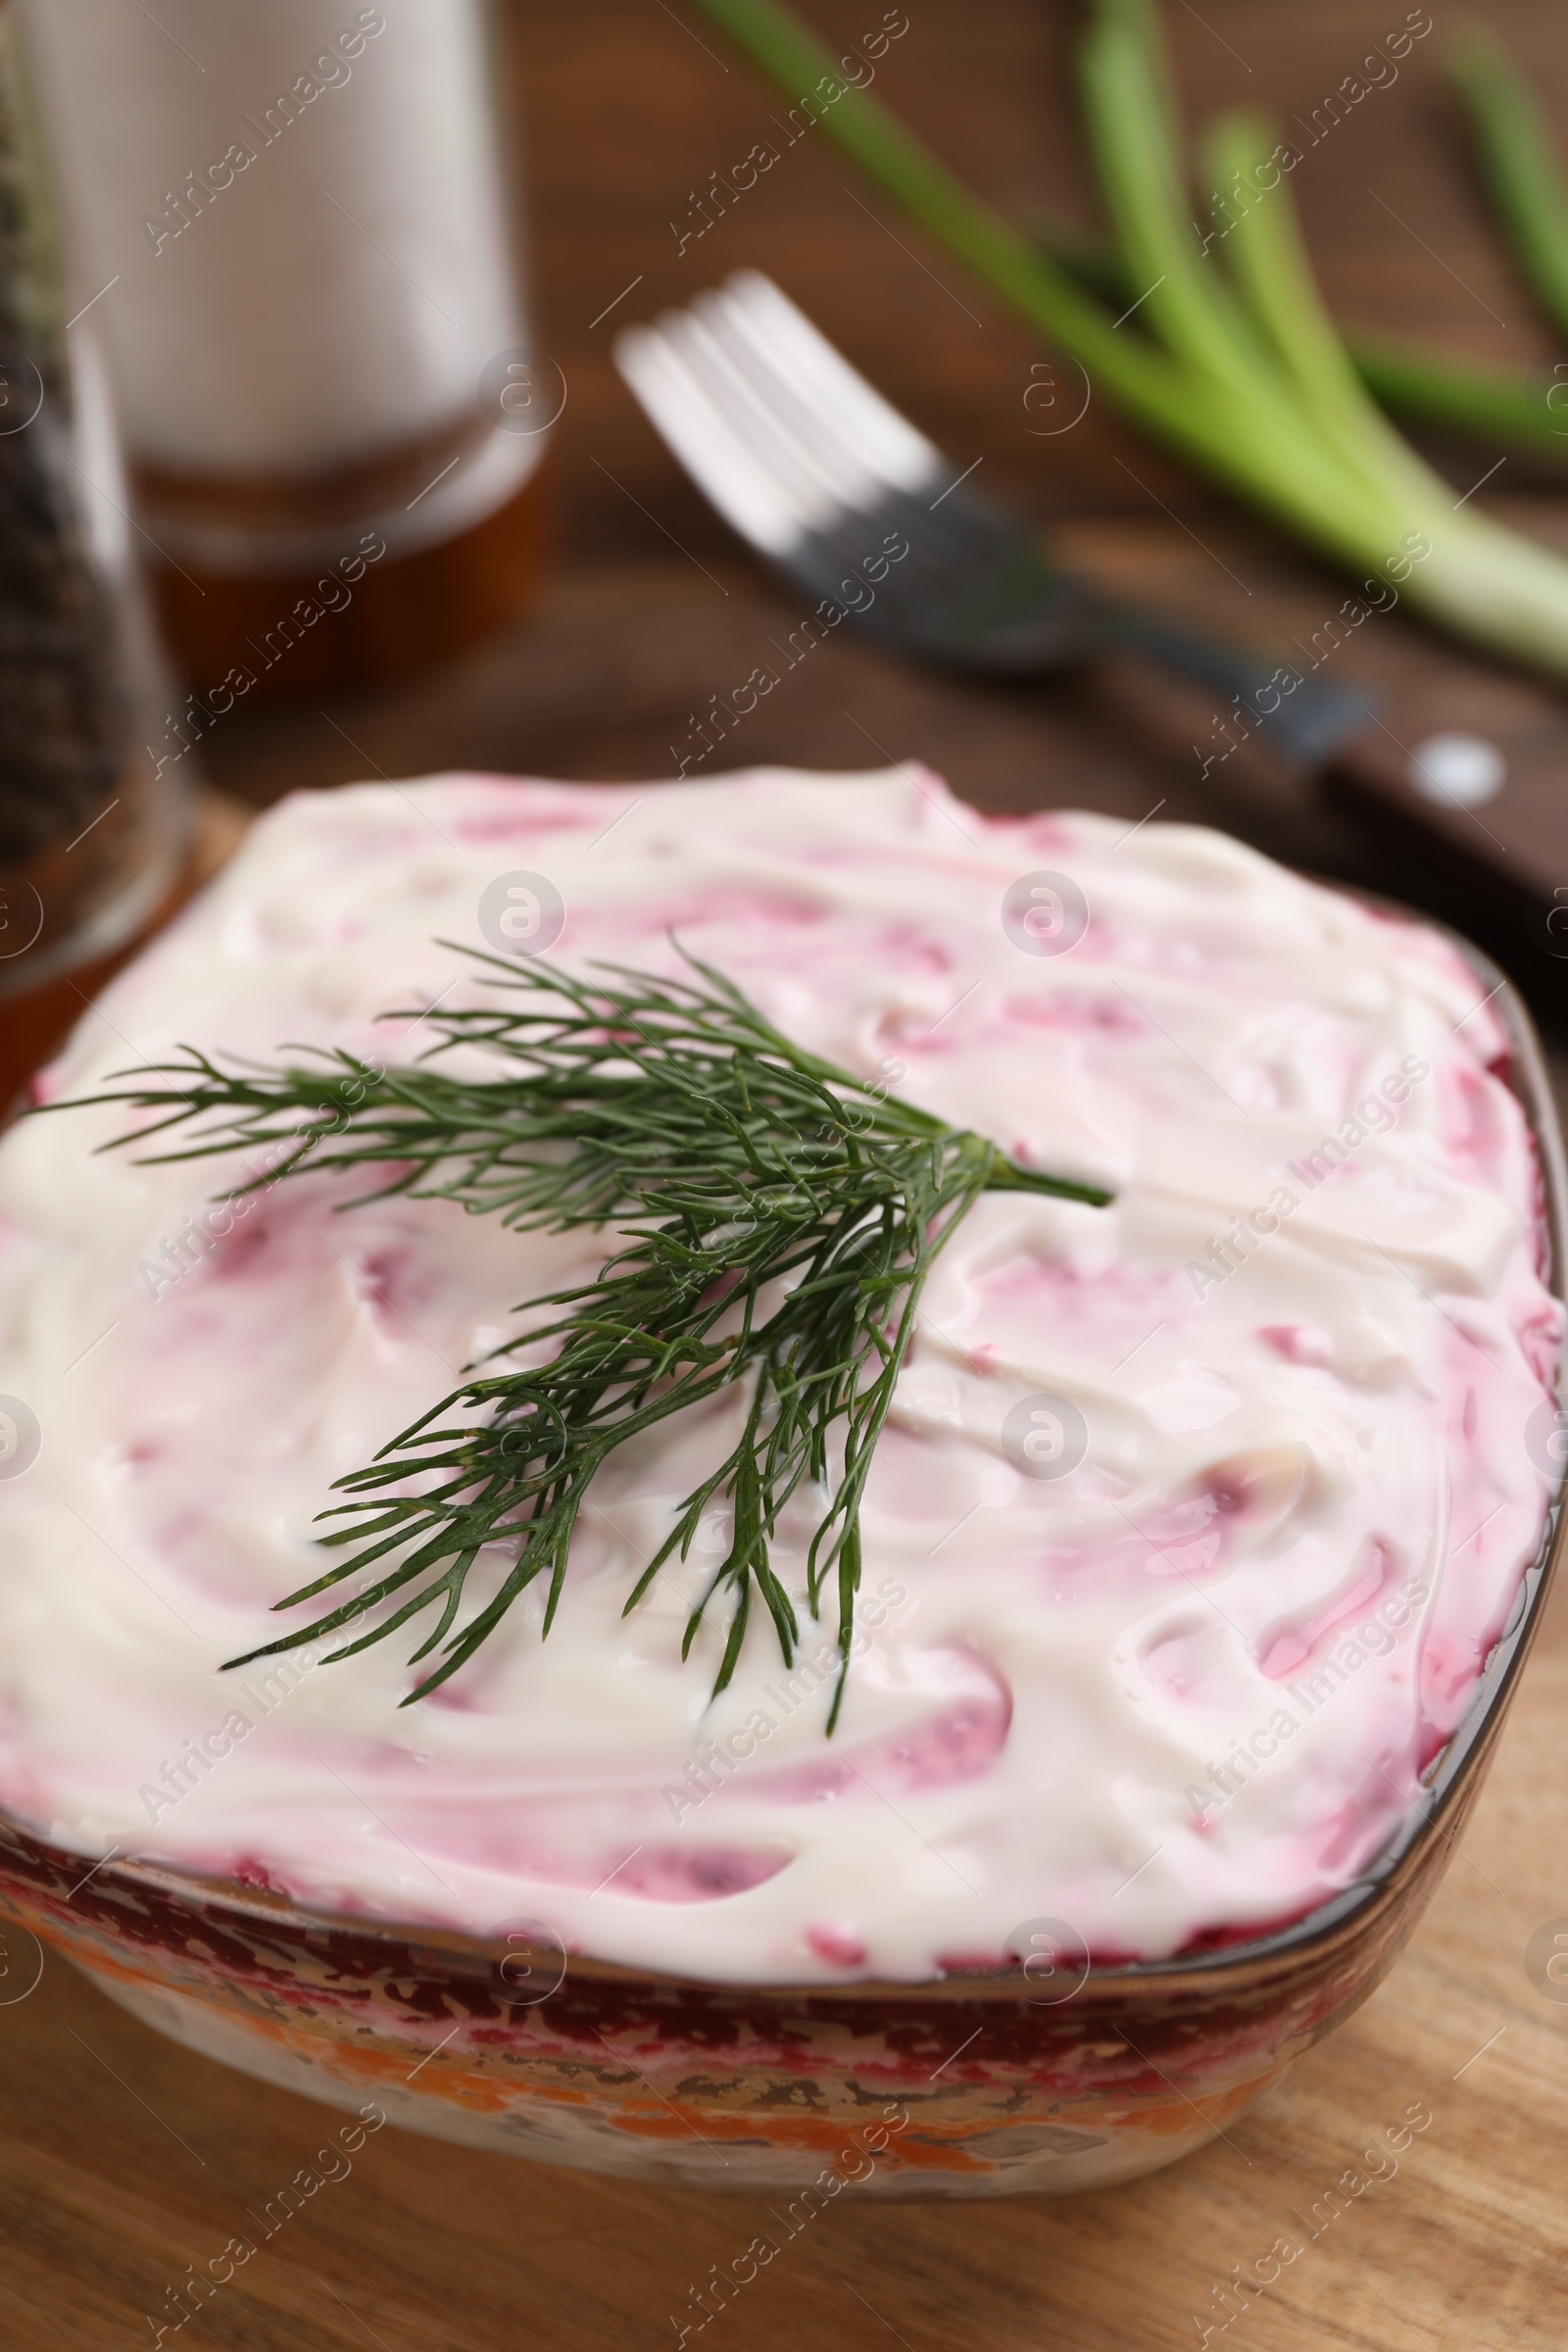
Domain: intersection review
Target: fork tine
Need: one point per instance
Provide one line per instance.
(744, 490)
(763, 476)
(887, 444)
(883, 468)
(705, 339)
(809, 463)
(783, 434)
(789, 432)
(803, 456)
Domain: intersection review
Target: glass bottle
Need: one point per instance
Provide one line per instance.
(296, 222)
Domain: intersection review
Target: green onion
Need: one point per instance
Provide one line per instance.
(1527, 413)
(1519, 163)
(1233, 361)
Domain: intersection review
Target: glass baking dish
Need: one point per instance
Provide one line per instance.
(1043, 2076)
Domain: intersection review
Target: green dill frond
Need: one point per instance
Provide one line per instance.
(776, 1219)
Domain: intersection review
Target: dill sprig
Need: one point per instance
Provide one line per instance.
(776, 1219)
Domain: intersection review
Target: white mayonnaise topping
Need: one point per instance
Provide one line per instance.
(1197, 1518)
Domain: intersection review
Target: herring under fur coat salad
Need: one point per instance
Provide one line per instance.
(1198, 1485)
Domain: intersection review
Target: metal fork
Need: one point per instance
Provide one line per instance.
(825, 478)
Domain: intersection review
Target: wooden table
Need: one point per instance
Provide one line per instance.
(123, 2160)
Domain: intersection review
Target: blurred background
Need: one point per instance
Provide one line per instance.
(586, 613)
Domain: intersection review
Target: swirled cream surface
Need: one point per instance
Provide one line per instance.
(1184, 1549)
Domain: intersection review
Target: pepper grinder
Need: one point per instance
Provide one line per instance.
(91, 832)
(295, 226)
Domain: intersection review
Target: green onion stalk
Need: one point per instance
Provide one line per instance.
(1524, 413)
(1519, 164)
(1524, 178)
(1233, 361)
(1527, 413)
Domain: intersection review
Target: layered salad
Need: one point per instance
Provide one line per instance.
(1193, 1521)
